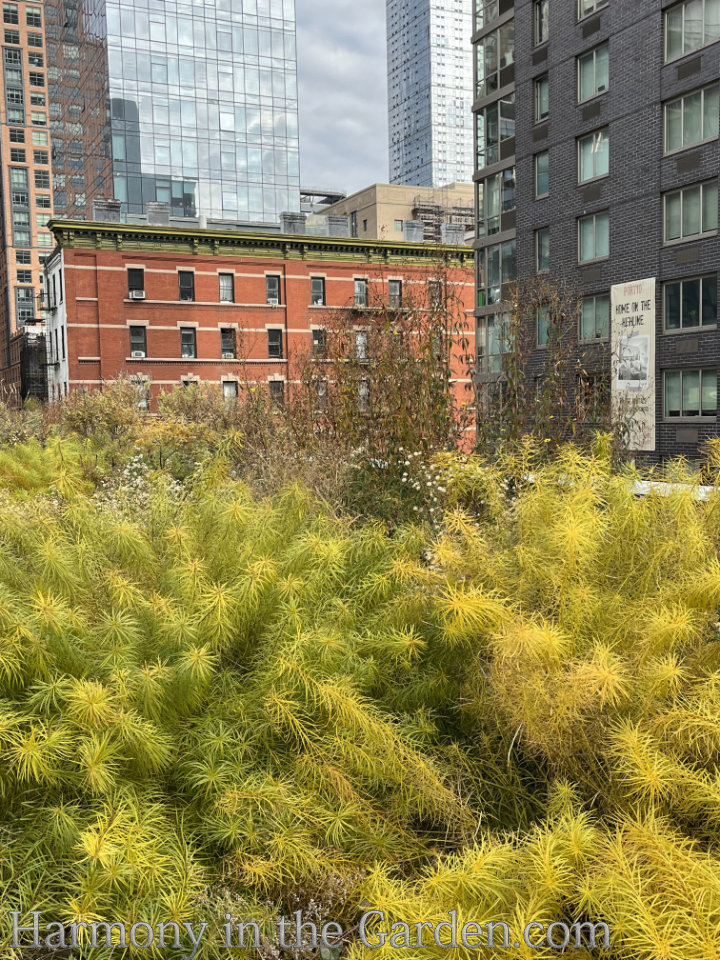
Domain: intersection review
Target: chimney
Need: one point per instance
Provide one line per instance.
(293, 223)
(453, 233)
(158, 213)
(338, 226)
(413, 231)
(106, 211)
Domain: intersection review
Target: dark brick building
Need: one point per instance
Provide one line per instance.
(597, 163)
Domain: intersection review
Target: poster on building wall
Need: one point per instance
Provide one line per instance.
(632, 313)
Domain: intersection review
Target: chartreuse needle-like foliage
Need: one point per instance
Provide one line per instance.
(214, 703)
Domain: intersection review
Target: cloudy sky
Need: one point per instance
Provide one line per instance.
(342, 77)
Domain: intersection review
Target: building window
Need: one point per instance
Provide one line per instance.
(361, 345)
(492, 341)
(15, 116)
(13, 56)
(394, 294)
(353, 223)
(691, 303)
(691, 25)
(23, 257)
(12, 36)
(319, 343)
(399, 226)
(40, 138)
(364, 396)
(38, 118)
(690, 393)
(365, 226)
(42, 180)
(593, 73)
(595, 318)
(37, 79)
(542, 250)
(542, 174)
(317, 291)
(500, 269)
(586, 7)
(541, 20)
(494, 125)
(10, 13)
(272, 290)
(227, 287)
(275, 344)
(17, 155)
(228, 343)
(494, 52)
(40, 157)
(691, 212)
(188, 342)
(34, 17)
(277, 392)
(138, 342)
(136, 280)
(692, 119)
(34, 40)
(361, 292)
(186, 285)
(542, 98)
(495, 195)
(44, 240)
(42, 201)
(17, 136)
(594, 237)
(24, 276)
(542, 324)
(594, 156)
(435, 294)
(230, 389)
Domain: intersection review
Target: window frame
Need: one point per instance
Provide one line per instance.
(578, 61)
(681, 281)
(597, 6)
(185, 274)
(228, 342)
(270, 279)
(681, 100)
(317, 299)
(225, 276)
(538, 5)
(133, 330)
(275, 346)
(685, 53)
(542, 153)
(595, 339)
(538, 82)
(395, 294)
(681, 191)
(542, 310)
(591, 136)
(361, 292)
(593, 217)
(688, 418)
(188, 342)
(542, 231)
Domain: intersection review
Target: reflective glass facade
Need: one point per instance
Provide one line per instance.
(430, 91)
(190, 104)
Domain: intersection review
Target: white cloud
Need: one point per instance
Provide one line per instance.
(342, 79)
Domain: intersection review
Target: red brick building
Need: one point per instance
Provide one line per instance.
(181, 305)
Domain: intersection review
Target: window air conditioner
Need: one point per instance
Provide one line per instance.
(273, 301)
(138, 354)
(319, 303)
(228, 356)
(137, 294)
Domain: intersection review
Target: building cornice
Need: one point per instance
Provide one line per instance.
(90, 235)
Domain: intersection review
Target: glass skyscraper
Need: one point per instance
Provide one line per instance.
(430, 80)
(193, 104)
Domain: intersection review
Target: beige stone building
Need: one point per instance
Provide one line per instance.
(396, 212)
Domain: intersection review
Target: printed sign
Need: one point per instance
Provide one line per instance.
(632, 321)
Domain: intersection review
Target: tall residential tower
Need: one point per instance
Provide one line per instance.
(430, 91)
(609, 113)
(190, 104)
(25, 175)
